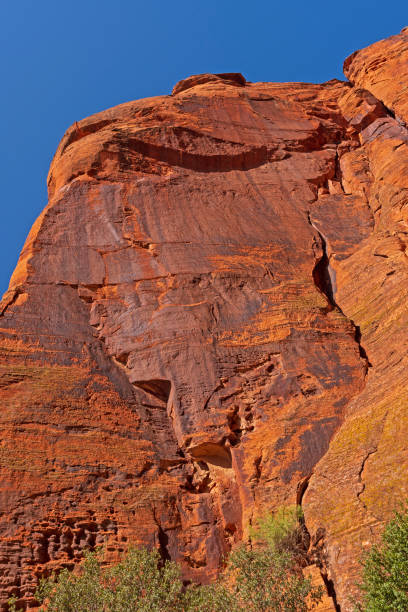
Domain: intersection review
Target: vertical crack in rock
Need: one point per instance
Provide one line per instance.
(360, 476)
(163, 540)
(324, 278)
(357, 338)
(371, 451)
(328, 583)
(323, 275)
(331, 591)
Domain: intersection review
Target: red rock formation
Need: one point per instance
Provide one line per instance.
(202, 326)
(362, 478)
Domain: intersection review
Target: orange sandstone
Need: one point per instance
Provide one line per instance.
(207, 321)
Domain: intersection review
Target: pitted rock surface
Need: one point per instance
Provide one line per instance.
(207, 322)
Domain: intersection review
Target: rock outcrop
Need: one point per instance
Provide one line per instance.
(207, 321)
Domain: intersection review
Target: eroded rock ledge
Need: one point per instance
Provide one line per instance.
(208, 321)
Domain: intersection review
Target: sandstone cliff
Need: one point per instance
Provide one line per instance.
(207, 321)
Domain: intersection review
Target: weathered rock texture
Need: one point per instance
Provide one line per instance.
(209, 320)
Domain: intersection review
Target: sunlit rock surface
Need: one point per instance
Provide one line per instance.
(208, 321)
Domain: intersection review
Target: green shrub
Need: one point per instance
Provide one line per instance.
(210, 598)
(264, 576)
(266, 580)
(260, 577)
(384, 584)
(136, 583)
(281, 531)
(12, 604)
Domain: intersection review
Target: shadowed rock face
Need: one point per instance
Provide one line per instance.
(208, 321)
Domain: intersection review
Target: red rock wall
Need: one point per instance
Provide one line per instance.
(206, 322)
(362, 478)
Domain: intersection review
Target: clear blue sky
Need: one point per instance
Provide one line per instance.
(64, 60)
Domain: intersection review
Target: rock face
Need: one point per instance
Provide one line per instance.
(207, 321)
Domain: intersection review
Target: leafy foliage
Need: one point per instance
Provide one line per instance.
(260, 577)
(12, 603)
(267, 575)
(385, 569)
(137, 582)
(281, 531)
(266, 580)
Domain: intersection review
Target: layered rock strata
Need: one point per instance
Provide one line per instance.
(207, 321)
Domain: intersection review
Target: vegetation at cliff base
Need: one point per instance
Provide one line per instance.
(384, 585)
(261, 576)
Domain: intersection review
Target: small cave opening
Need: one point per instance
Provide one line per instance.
(159, 388)
(212, 453)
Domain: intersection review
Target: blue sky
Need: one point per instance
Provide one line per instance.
(62, 61)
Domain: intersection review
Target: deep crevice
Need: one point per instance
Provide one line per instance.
(328, 583)
(331, 591)
(321, 271)
(357, 338)
(323, 279)
(163, 540)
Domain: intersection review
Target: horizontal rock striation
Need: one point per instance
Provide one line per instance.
(207, 321)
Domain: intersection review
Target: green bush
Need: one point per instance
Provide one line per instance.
(138, 582)
(260, 577)
(266, 580)
(281, 531)
(384, 584)
(267, 574)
